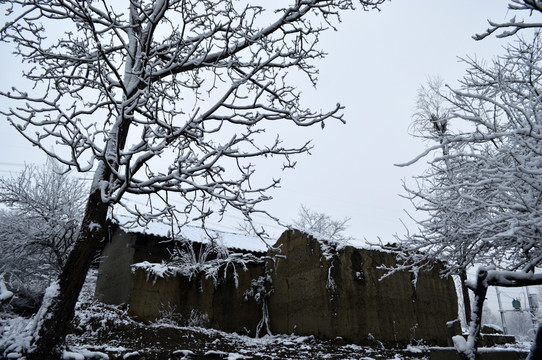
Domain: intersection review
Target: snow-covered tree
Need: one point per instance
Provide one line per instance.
(482, 192)
(161, 97)
(38, 227)
(430, 123)
(321, 224)
(40, 224)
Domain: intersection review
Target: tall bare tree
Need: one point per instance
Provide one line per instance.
(122, 88)
(430, 122)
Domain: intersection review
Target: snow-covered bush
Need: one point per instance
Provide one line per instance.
(169, 316)
(98, 319)
(197, 319)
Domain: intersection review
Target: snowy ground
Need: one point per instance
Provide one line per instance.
(106, 332)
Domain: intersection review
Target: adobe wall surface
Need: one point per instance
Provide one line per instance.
(113, 284)
(341, 295)
(224, 304)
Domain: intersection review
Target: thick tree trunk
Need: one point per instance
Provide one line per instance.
(56, 318)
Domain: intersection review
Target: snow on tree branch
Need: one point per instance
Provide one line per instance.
(481, 194)
(184, 82)
(513, 26)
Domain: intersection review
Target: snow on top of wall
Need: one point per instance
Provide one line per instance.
(228, 239)
(339, 244)
(195, 233)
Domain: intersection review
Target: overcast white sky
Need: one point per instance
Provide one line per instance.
(376, 63)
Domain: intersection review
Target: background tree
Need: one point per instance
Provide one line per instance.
(482, 193)
(321, 224)
(160, 97)
(39, 226)
(430, 122)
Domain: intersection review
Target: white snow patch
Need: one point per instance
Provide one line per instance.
(462, 346)
(68, 355)
(235, 356)
(159, 270)
(133, 353)
(352, 347)
(194, 233)
(87, 354)
(183, 352)
(302, 339)
(339, 244)
(499, 349)
(114, 348)
(414, 349)
(50, 293)
(5, 294)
